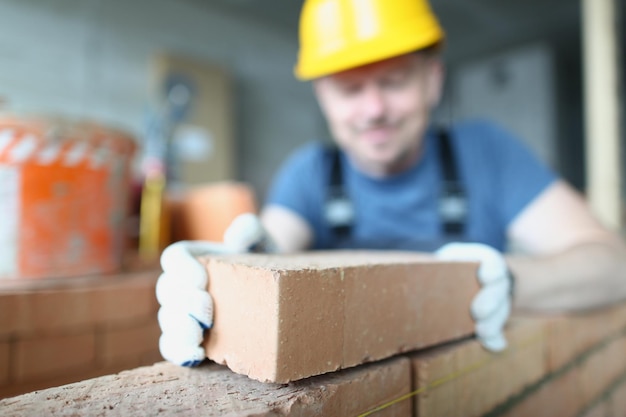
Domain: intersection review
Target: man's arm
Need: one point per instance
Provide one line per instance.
(570, 260)
(290, 232)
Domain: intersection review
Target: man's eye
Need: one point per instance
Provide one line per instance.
(349, 88)
(395, 79)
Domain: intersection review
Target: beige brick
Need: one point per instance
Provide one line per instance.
(601, 369)
(5, 362)
(70, 376)
(69, 304)
(129, 342)
(559, 396)
(583, 384)
(213, 390)
(8, 317)
(280, 318)
(130, 299)
(618, 401)
(572, 335)
(39, 358)
(398, 308)
(52, 310)
(601, 409)
(464, 379)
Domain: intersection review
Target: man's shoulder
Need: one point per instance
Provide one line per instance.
(483, 135)
(309, 156)
(310, 151)
(480, 128)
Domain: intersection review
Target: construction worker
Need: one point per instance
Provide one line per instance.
(394, 181)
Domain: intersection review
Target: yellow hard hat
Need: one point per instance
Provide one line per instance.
(336, 35)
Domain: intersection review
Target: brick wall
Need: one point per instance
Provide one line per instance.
(62, 331)
(570, 365)
(458, 379)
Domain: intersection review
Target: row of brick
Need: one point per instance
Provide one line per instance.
(456, 379)
(581, 354)
(355, 307)
(213, 390)
(77, 303)
(64, 331)
(287, 317)
(591, 386)
(41, 362)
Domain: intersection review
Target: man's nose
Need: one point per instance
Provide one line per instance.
(373, 102)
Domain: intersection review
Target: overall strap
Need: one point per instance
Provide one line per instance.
(338, 211)
(452, 204)
(452, 197)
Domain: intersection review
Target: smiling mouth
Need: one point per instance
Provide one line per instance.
(377, 135)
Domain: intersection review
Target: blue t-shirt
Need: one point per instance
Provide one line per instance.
(500, 175)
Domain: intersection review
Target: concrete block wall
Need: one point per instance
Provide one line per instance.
(63, 331)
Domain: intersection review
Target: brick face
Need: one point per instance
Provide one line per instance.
(129, 342)
(133, 300)
(213, 390)
(38, 358)
(68, 305)
(308, 315)
(8, 316)
(584, 382)
(571, 335)
(353, 307)
(598, 371)
(389, 308)
(461, 379)
(601, 409)
(71, 376)
(478, 380)
(618, 401)
(52, 310)
(557, 397)
(62, 330)
(5, 362)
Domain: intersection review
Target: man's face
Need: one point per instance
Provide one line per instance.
(378, 112)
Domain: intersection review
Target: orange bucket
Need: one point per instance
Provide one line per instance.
(64, 198)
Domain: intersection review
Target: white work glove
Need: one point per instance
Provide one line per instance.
(491, 307)
(186, 306)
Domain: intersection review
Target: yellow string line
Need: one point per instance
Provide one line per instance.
(453, 376)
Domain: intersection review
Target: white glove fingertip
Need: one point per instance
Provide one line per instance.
(172, 254)
(493, 324)
(492, 270)
(181, 266)
(496, 343)
(180, 354)
(165, 286)
(244, 231)
(247, 234)
(492, 265)
(489, 299)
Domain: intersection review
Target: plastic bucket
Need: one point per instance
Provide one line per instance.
(64, 196)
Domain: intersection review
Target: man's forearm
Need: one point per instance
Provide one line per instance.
(585, 276)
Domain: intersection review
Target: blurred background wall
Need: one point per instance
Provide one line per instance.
(518, 63)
